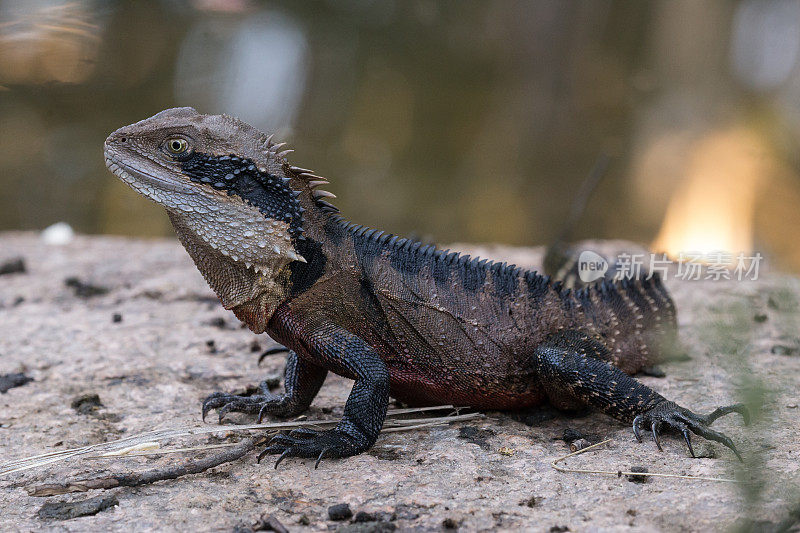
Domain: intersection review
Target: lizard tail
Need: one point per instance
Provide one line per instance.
(639, 305)
(558, 258)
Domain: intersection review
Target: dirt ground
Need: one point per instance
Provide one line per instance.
(137, 326)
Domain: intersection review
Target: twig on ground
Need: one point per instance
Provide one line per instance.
(620, 473)
(149, 442)
(148, 476)
(44, 459)
(160, 451)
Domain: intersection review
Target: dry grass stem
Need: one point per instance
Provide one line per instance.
(619, 473)
(123, 447)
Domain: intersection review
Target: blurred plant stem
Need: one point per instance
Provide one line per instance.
(731, 330)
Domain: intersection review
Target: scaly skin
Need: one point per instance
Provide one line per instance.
(401, 319)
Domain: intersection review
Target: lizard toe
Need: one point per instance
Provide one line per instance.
(227, 403)
(312, 443)
(248, 405)
(304, 433)
(722, 411)
(214, 401)
(686, 422)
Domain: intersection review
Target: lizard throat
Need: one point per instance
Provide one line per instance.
(258, 227)
(252, 294)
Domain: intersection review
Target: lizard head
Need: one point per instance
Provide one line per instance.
(234, 201)
(219, 178)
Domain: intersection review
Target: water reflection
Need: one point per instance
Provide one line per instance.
(466, 120)
(252, 67)
(48, 42)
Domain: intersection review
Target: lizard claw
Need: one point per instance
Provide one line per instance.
(655, 427)
(259, 404)
(305, 442)
(676, 417)
(687, 436)
(637, 428)
(210, 402)
(262, 411)
(226, 403)
(282, 457)
(321, 455)
(265, 452)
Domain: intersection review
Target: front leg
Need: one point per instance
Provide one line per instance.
(302, 382)
(364, 411)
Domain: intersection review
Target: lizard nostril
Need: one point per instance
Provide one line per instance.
(122, 139)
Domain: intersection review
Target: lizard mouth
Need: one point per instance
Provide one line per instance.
(137, 178)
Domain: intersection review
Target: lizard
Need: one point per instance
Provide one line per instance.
(401, 319)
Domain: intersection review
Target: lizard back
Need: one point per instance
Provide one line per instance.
(450, 326)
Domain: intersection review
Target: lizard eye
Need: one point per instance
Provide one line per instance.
(177, 146)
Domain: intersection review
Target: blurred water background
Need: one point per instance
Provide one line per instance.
(454, 120)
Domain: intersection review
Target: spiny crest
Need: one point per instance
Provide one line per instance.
(275, 148)
(313, 181)
(647, 295)
(537, 283)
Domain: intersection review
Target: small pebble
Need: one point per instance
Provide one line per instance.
(69, 510)
(578, 445)
(217, 322)
(339, 512)
(83, 289)
(273, 381)
(654, 371)
(533, 501)
(268, 522)
(116, 318)
(9, 381)
(13, 266)
(58, 234)
(780, 349)
(450, 523)
(704, 450)
(86, 403)
(363, 516)
(571, 434)
(639, 476)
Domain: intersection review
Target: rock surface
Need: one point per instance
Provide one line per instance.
(137, 326)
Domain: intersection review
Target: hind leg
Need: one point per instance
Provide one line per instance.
(572, 366)
(561, 397)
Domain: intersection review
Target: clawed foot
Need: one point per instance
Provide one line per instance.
(304, 442)
(260, 404)
(676, 417)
